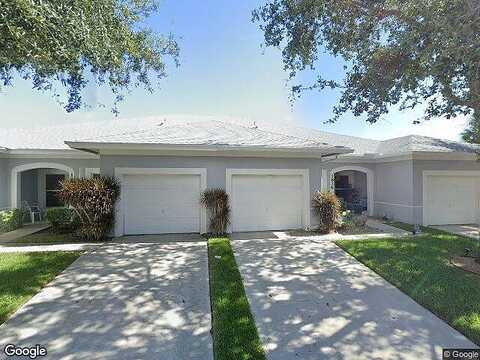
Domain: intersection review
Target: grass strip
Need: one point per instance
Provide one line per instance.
(235, 335)
(22, 275)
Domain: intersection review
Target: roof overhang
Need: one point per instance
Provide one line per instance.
(411, 155)
(205, 150)
(46, 153)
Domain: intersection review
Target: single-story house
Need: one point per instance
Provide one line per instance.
(270, 172)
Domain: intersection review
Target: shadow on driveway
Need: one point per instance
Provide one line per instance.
(122, 301)
(311, 300)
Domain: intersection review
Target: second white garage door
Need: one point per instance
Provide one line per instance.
(450, 199)
(267, 202)
(156, 204)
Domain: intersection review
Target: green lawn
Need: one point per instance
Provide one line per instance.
(22, 275)
(47, 237)
(235, 334)
(419, 266)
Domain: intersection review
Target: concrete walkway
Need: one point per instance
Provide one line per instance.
(122, 301)
(469, 230)
(23, 231)
(385, 228)
(312, 301)
(13, 248)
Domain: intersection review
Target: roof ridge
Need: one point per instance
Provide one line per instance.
(338, 134)
(282, 134)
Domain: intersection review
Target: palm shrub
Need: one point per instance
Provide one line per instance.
(327, 207)
(93, 201)
(216, 201)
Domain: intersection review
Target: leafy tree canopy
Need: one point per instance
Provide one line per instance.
(71, 42)
(397, 52)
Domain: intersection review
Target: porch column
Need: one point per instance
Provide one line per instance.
(16, 188)
(325, 184)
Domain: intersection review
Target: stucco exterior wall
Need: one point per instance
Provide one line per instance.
(398, 185)
(216, 166)
(3, 184)
(394, 190)
(419, 166)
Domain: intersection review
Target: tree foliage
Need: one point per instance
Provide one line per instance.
(472, 133)
(397, 52)
(71, 42)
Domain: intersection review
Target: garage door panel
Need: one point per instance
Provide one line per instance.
(255, 223)
(266, 202)
(451, 199)
(157, 204)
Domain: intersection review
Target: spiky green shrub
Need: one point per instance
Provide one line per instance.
(217, 203)
(327, 207)
(62, 219)
(93, 201)
(11, 219)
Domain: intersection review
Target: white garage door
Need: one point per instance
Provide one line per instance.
(266, 202)
(451, 199)
(156, 204)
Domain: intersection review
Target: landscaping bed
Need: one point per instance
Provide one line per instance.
(358, 230)
(234, 331)
(22, 275)
(421, 267)
(354, 230)
(47, 236)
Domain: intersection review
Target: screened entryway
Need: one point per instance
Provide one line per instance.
(34, 187)
(351, 188)
(39, 187)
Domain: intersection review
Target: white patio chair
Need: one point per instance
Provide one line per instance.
(33, 209)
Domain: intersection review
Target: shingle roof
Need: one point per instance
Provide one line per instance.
(188, 129)
(360, 145)
(209, 133)
(423, 143)
(53, 137)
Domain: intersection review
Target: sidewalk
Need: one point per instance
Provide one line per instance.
(14, 248)
(23, 231)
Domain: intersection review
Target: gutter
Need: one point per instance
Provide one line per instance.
(96, 148)
(45, 153)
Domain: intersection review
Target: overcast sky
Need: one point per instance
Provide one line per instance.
(223, 71)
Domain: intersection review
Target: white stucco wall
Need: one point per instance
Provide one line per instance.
(4, 198)
(394, 190)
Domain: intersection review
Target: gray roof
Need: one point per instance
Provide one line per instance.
(203, 130)
(360, 145)
(423, 143)
(208, 133)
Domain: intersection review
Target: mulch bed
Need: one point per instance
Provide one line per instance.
(466, 263)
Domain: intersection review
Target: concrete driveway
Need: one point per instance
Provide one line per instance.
(126, 300)
(313, 301)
